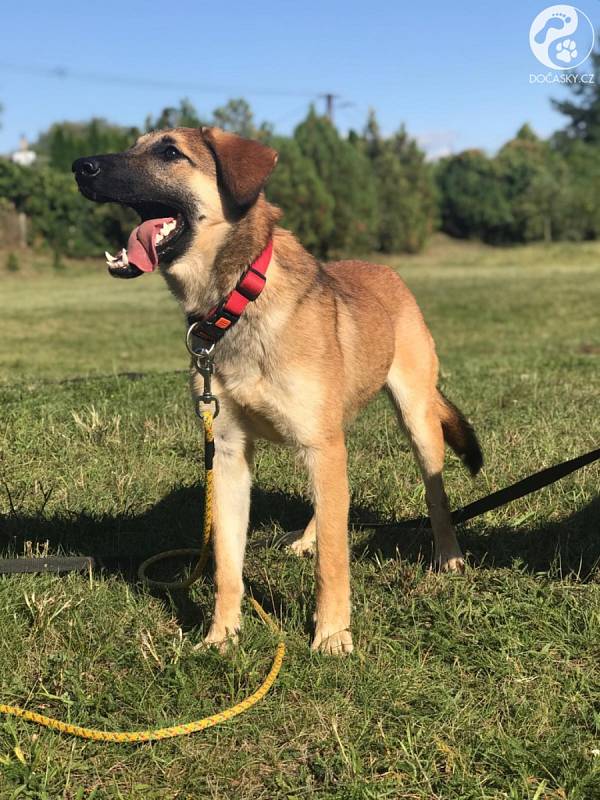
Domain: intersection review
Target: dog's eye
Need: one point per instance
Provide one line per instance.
(171, 153)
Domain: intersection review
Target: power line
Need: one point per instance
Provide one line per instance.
(65, 73)
(293, 113)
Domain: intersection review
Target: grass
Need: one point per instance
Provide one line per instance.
(480, 686)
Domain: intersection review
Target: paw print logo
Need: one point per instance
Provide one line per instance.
(566, 51)
(561, 37)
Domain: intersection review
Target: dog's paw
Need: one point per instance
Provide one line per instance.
(449, 562)
(298, 544)
(332, 643)
(221, 638)
(303, 548)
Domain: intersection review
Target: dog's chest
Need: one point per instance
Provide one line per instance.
(245, 383)
(274, 404)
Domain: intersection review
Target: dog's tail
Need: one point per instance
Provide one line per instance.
(459, 434)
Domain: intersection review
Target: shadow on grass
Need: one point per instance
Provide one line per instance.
(120, 543)
(572, 544)
(175, 521)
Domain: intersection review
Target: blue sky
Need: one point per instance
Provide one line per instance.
(457, 74)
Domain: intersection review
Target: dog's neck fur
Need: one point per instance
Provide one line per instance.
(226, 249)
(207, 273)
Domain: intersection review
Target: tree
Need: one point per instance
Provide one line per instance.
(63, 142)
(405, 191)
(584, 111)
(182, 116)
(59, 215)
(296, 187)
(533, 177)
(578, 195)
(236, 116)
(578, 144)
(339, 194)
(346, 174)
(473, 198)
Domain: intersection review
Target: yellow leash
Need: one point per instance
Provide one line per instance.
(201, 724)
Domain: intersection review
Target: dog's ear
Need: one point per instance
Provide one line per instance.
(243, 165)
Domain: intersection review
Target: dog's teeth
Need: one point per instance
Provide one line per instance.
(119, 261)
(165, 230)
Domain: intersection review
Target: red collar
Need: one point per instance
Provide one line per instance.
(224, 315)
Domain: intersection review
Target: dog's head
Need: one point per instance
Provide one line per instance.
(181, 182)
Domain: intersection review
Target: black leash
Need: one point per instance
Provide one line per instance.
(51, 564)
(497, 499)
(500, 498)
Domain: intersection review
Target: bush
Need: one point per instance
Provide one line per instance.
(59, 216)
(12, 262)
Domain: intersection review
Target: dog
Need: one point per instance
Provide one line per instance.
(312, 349)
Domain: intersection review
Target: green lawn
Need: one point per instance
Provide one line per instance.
(485, 685)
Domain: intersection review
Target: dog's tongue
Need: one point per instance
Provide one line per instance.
(141, 247)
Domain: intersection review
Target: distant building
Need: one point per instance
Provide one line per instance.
(24, 156)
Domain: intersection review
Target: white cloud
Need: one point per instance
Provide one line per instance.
(438, 144)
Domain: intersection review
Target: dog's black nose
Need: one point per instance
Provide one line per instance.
(88, 167)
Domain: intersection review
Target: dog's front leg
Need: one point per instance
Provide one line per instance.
(328, 467)
(231, 508)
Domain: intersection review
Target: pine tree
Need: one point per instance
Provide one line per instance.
(182, 116)
(236, 116)
(297, 189)
(406, 201)
(584, 111)
(63, 142)
(345, 171)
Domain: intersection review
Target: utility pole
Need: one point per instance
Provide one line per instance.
(330, 99)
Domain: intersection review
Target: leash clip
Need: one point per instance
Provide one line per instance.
(203, 359)
(205, 367)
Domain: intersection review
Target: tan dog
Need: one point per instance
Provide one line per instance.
(319, 342)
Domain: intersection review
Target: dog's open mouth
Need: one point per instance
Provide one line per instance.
(152, 239)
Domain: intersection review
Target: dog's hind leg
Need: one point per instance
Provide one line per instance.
(415, 398)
